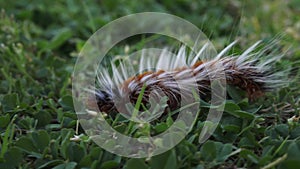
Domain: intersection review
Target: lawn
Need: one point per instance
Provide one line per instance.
(40, 42)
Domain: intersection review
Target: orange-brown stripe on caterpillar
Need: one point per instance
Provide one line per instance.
(250, 71)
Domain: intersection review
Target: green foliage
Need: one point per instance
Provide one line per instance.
(39, 43)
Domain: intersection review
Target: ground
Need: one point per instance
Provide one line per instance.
(39, 45)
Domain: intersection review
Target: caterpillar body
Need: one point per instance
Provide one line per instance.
(252, 71)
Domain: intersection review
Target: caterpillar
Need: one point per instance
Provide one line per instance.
(253, 71)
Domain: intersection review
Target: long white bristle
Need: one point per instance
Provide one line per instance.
(248, 60)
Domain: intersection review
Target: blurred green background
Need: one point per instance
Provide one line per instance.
(39, 44)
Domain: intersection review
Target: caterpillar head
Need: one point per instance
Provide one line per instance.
(103, 101)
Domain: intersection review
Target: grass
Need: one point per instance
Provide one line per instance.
(39, 44)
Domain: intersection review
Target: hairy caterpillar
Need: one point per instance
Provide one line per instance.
(252, 71)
